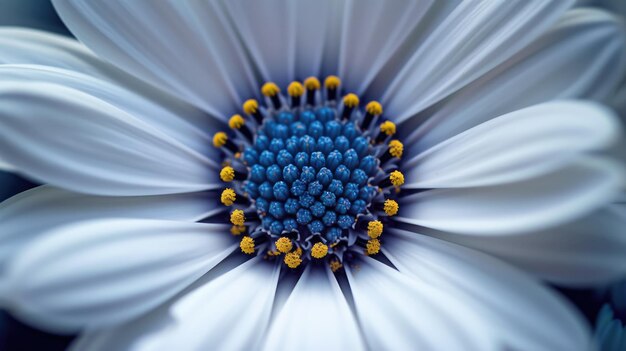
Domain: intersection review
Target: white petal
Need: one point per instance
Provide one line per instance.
(587, 252)
(315, 317)
(104, 272)
(74, 140)
(185, 47)
(533, 204)
(229, 313)
(38, 211)
(521, 314)
(398, 313)
(517, 146)
(474, 38)
(5, 167)
(572, 60)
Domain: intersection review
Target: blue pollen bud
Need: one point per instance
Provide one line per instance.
(266, 190)
(333, 160)
(308, 174)
(325, 145)
(318, 209)
(316, 227)
(316, 129)
(304, 216)
(298, 188)
(284, 158)
(290, 224)
(261, 143)
(342, 173)
(315, 188)
(351, 191)
(292, 206)
(333, 234)
(318, 160)
(301, 159)
(360, 145)
(349, 131)
(267, 158)
(276, 228)
(276, 145)
(345, 221)
(262, 204)
(350, 159)
(333, 129)
(252, 189)
(359, 177)
(325, 114)
(307, 117)
(257, 173)
(328, 199)
(281, 191)
(367, 193)
(324, 176)
(306, 200)
(298, 129)
(270, 128)
(368, 165)
(343, 205)
(329, 218)
(276, 209)
(285, 117)
(281, 131)
(267, 221)
(336, 187)
(358, 207)
(291, 173)
(307, 144)
(292, 145)
(250, 156)
(342, 143)
(273, 173)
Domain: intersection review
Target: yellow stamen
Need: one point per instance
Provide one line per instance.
(335, 265)
(247, 245)
(374, 108)
(250, 106)
(295, 89)
(237, 229)
(284, 245)
(319, 250)
(390, 207)
(388, 128)
(396, 148)
(270, 89)
(332, 82)
(374, 229)
(227, 174)
(312, 83)
(351, 100)
(292, 259)
(396, 178)
(228, 197)
(219, 139)
(372, 247)
(236, 122)
(237, 217)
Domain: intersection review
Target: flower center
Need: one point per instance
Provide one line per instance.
(316, 176)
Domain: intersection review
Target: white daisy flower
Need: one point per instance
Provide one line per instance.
(310, 174)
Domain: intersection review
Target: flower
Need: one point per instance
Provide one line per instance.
(135, 242)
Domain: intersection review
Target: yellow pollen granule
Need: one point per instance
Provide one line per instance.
(391, 207)
(388, 127)
(237, 217)
(372, 247)
(351, 100)
(284, 245)
(374, 229)
(237, 229)
(396, 148)
(270, 89)
(250, 106)
(332, 82)
(228, 197)
(319, 250)
(295, 89)
(374, 108)
(335, 265)
(312, 83)
(219, 139)
(247, 245)
(236, 122)
(292, 259)
(396, 178)
(227, 174)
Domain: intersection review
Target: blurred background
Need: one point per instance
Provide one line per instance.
(605, 308)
